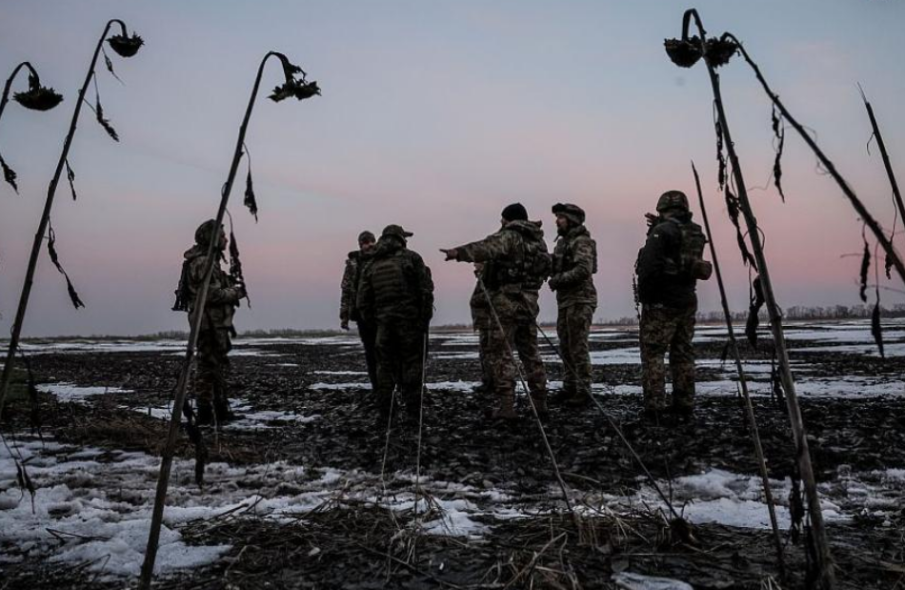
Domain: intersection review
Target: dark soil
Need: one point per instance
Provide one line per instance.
(355, 544)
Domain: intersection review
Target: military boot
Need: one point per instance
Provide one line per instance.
(562, 395)
(506, 409)
(539, 398)
(222, 411)
(581, 399)
(205, 413)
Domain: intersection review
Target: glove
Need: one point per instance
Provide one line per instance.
(451, 253)
(344, 324)
(553, 283)
(241, 293)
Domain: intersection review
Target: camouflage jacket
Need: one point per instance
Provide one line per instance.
(516, 257)
(574, 265)
(222, 297)
(660, 278)
(355, 263)
(395, 285)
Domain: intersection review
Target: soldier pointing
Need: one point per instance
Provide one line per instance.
(516, 264)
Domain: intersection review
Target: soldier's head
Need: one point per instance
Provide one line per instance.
(672, 203)
(395, 232)
(513, 212)
(205, 233)
(366, 241)
(567, 216)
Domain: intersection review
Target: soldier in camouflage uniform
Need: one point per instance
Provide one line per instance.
(396, 294)
(518, 265)
(574, 265)
(482, 322)
(669, 266)
(355, 263)
(214, 339)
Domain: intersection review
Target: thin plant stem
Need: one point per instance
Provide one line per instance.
(524, 382)
(147, 570)
(890, 173)
(9, 83)
(803, 454)
(19, 321)
(749, 407)
(616, 429)
(856, 203)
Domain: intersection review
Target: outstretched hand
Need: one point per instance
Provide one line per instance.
(451, 253)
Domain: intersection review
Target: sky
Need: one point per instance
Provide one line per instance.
(435, 115)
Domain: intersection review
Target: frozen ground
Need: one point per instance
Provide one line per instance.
(283, 458)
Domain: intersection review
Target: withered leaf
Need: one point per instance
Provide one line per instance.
(54, 257)
(105, 123)
(865, 267)
(250, 200)
(70, 175)
(780, 134)
(109, 65)
(9, 175)
(757, 302)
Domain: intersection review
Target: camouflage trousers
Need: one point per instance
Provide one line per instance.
(482, 321)
(212, 368)
(368, 334)
(399, 346)
(667, 329)
(573, 325)
(519, 334)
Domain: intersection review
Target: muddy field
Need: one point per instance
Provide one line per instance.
(307, 490)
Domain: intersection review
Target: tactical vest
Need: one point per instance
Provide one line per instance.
(529, 267)
(564, 261)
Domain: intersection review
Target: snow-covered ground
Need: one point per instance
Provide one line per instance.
(93, 505)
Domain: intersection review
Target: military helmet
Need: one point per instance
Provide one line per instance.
(205, 232)
(366, 237)
(396, 231)
(672, 200)
(573, 213)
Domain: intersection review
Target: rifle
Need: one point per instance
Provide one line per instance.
(236, 277)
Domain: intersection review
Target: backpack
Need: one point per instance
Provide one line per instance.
(691, 252)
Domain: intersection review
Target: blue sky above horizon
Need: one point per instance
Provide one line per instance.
(434, 115)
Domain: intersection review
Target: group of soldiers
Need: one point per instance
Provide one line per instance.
(387, 290)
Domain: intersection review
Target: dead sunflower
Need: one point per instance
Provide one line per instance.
(124, 45)
(683, 52)
(37, 97)
(719, 51)
(300, 89)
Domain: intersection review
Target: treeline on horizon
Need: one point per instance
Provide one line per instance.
(795, 313)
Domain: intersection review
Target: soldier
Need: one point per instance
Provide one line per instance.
(482, 322)
(574, 266)
(669, 266)
(396, 294)
(518, 265)
(355, 263)
(214, 339)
